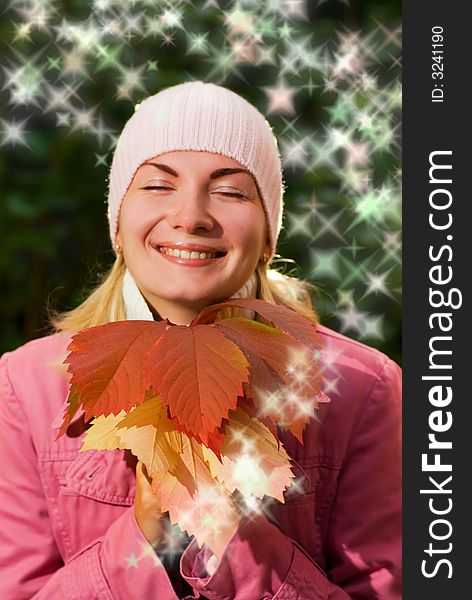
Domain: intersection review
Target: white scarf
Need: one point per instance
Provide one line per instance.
(137, 309)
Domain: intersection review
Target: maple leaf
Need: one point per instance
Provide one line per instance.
(199, 374)
(200, 405)
(266, 347)
(253, 461)
(285, 319)
(281, 370)
(73, 405)
(146, 431)
(214, 439)
(151, 436)
(103, 434)
(199, 505)
(106, 363)
(199, 370)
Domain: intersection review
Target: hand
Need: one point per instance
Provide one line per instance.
(146, 506)
(218, 541)
(149, 516)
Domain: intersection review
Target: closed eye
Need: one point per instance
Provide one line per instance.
(156, 187)
(229, 192)
(163, 187)
(233, 194)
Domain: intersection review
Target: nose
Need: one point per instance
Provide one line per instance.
(191, 214)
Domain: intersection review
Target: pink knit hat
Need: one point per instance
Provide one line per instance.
(199, 116)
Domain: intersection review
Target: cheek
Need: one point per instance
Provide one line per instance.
(247, 229)
(135, 221)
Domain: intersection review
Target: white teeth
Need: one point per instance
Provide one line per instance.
(187, 254)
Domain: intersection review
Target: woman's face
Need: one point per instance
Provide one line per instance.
(192, 229)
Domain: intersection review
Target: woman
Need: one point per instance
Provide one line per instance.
(195, 204)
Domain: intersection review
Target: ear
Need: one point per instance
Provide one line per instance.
(266, 251)
(267, 247)
(117, 246)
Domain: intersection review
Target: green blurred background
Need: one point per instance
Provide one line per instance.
(71, 73)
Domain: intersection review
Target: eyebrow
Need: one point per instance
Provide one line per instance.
(215, 175)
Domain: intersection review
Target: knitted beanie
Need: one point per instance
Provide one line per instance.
(204, 117)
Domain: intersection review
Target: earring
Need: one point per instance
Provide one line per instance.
(265, 258)
(117, 248)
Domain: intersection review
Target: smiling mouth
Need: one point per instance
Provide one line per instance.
(189, 254)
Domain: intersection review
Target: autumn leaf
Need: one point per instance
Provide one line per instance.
(285, 319)
(146, 431)
(266, 349)
(199, 374)
(73, 406)
(103, 434)
(199, 370)
(198, 504)
(214, 438)
(253, 461)
(106, 363)
(284, 378)
(151, 436)
(200, 406)
(261, 344)
(196, 493)
(268, 420)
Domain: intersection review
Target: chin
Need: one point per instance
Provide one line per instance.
(193, 301)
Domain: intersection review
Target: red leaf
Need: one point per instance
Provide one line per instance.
(106, 363)
(199, 370)
(269, 421)
(72, 407)
(214, 439)
(284, 379)
(199, 374)
(266, 348)
(283, 318)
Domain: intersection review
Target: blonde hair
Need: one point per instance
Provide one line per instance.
(105, 302)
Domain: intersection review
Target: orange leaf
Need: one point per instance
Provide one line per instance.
(214, 438)
(199, 374)
(73, 406)
(266, 348)
(151, 436)
(269, 420)
(285, 319)
(284, 378)
(106, 363)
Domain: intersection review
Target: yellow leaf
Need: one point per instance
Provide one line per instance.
(102, 435)
(194, 500)
(151, 436)
(253, 462)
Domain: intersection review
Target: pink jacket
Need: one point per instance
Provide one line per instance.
(67, 526)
